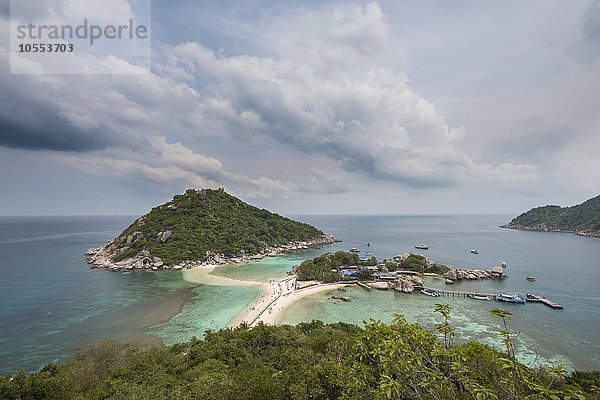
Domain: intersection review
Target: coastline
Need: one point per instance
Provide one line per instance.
(102, 257)
(544, 228)
(274, 297)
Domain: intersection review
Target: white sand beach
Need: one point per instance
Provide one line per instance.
(270, 305)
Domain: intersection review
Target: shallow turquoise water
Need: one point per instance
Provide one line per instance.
(211, 309)
(470, 318)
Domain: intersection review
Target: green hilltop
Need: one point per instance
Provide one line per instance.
(582, 219)
(202, 222)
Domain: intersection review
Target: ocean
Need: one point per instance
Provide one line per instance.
(52, 303)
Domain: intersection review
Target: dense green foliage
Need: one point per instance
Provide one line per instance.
(308, 361)
(210, 220)
(417, 262)
(326, 267)
(583, 217)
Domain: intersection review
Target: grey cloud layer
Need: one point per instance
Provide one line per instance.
(366, 119)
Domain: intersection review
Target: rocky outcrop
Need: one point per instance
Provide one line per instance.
(163, 236)
(134, 237)
(407, 283)
(102, 257)
(456, 274)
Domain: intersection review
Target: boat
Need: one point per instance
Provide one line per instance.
(531, 278)
(479, 297)
(510, 298)
(368, 253)
(421, 246)
(354, 250)
(448, 281)
(431, 292)
(343, 298)
(503, 264)
(474, 251)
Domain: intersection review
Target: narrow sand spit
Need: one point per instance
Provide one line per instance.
(270, 305)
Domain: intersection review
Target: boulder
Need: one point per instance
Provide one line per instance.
(163, 236)
(135, 237)
(416, 281)
(451, 275)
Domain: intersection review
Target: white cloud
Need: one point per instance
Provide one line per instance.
(174, 165)
(373, 124)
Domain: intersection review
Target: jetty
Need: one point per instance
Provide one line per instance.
(364, 286)
(533, 298)
(536, 298)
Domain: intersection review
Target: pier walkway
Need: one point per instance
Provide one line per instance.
(532, 298)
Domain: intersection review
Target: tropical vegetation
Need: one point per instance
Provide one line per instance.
(309, 361)
(206, 220)
(584, 217)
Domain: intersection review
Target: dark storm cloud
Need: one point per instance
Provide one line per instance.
(50, 134)
(26, 124)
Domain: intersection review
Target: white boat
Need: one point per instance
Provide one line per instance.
(474, 251)
(421, 246)
(431, 292)
(354, 250)
(531, 278)
(510, 298)
(479, 297)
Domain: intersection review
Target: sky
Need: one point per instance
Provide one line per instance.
(312, 107)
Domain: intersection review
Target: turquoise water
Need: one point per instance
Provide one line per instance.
(566, 268)
(211, 309)
(264, 269)
(51, 302)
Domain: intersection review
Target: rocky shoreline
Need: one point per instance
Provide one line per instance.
(456, 274)
(545, 228)
(101, 257)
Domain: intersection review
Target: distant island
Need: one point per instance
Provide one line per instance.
(582, 219)
(203, 226)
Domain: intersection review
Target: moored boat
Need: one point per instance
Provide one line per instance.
(343, 298)
(479, 297)
(510, 298)
(421, 246)
(354, 250)
(531, 278)
(431, 292)
(473, 251)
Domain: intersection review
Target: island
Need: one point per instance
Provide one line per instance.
(582, 219)
(203, 227)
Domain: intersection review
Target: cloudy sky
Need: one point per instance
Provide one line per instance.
(390, 107)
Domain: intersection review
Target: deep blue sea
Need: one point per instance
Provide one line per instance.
(51, 302)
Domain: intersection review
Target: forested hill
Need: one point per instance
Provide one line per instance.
(582, 219)
(198, 223)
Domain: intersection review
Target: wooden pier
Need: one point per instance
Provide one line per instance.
(536, 298)
(532, 298)
(364, 286)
